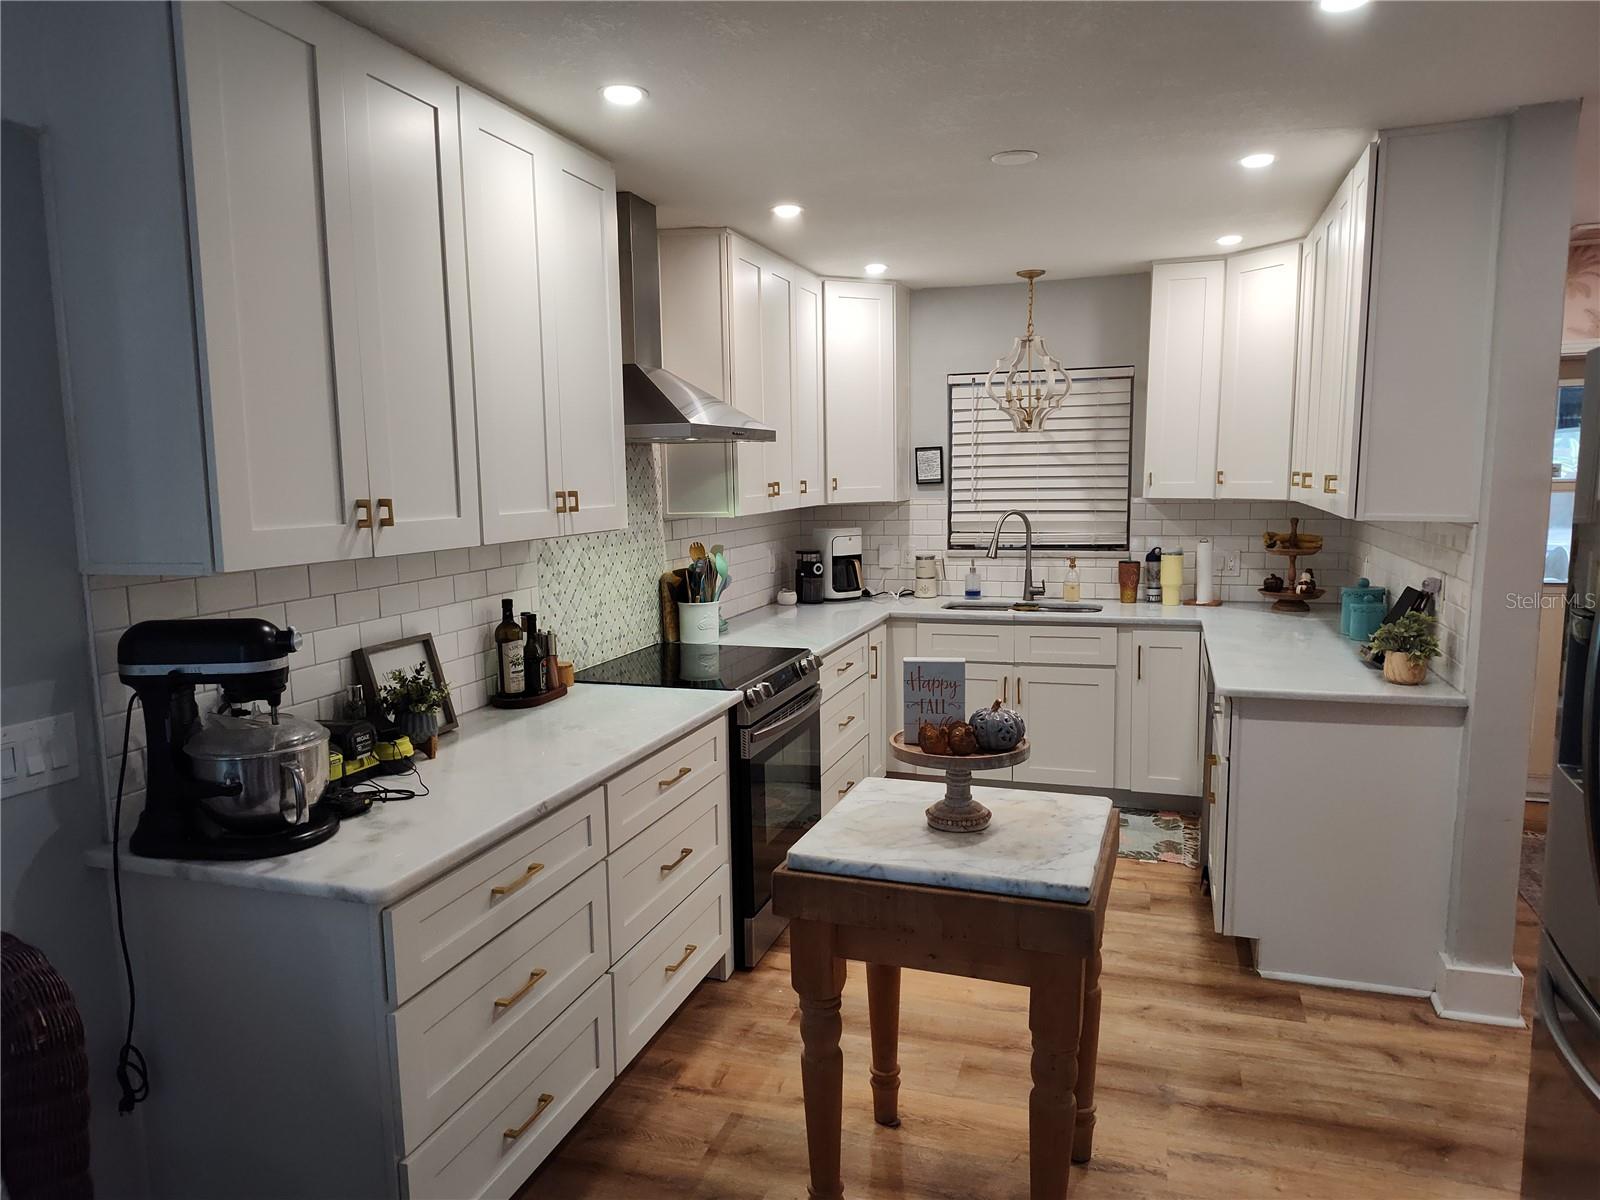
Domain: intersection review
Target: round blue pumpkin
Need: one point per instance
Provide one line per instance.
(997, 728)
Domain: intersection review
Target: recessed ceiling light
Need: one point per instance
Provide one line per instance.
(1340, 6)
(1230, 239)
(1256, 161)
(625, 94)
(1014, 158)
(876, 268)
(786, 211)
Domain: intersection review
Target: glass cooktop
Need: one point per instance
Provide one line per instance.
(673, 664)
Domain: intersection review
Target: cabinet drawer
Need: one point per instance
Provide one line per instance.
(850, 770)
(844, 666)
(553, 1082)
(844, 719)
(453, 1036)
(953, 639)
(1074, 645)
(657, 975)
(431, 931)
(656, 786)
(657, 870)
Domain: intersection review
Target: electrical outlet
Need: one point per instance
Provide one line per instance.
(1230, 562)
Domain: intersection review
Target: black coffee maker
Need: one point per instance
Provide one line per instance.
(808, 576)
(163, 662)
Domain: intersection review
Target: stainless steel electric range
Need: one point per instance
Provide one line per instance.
(775, 740)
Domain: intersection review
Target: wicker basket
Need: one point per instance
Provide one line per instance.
(44, 1077)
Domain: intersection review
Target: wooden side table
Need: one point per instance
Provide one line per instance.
(976, 922)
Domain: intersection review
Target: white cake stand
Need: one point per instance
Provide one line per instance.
(957, 812)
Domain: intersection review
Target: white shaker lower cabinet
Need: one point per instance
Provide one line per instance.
(445, 1044)
(1072, 725)
(1165, 732)
(542, 246)
(866, 393)
(879, 721)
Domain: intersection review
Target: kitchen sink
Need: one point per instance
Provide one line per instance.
(1052, 606)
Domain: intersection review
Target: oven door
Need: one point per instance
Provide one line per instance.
(777, 796)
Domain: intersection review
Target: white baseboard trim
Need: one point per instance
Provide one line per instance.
(1478, 993)
(1348, 985)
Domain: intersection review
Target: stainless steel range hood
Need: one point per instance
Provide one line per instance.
(658, 406)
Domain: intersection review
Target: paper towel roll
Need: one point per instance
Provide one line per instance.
(1172, 579)
(1205, 581)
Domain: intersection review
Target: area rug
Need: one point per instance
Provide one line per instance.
(1167, 837)
(1530, 880)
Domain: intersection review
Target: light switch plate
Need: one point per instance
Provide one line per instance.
(1230, 562)
(37, 754)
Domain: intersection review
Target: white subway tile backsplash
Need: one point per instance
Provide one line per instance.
(415, 566)
(398, 598)
(162, 601)
(355, 607)
(384, 629)
(220, 593)
(329, 578)
(435, 593)
(311, 614)
(108, 609)
(282, 583)
(450, 562)
(376, 572)
(336, 643)
(481, 558)
(471, 585)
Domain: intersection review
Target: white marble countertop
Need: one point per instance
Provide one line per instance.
(1042, 845)
(1254, 653)
(502, 770)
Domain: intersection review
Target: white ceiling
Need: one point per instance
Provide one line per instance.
(880, 118)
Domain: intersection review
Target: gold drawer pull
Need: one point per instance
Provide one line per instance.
(846, 667)
(666, 783)
(844, 723)
(687, 951)
(672, 866)
(505, 889)
(507, 1001)
(516, 1131)
(848, 784)
(1327, 484)
(802, 487)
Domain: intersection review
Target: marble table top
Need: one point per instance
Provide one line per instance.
(1040, 845)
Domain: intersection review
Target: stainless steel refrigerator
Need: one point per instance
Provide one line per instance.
(1561, 1156)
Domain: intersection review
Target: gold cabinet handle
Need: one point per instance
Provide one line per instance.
(385, 512)
(1211, 762)
(802, 487)
(687, 951)
(572, 502)
(848, 784)
(1005, 688)
(846, 722)
(1139, 660)
(872, 671)
(777, 488)
(561, 502)
(666, 783)
(516, 1131)
(505, 889)
(1219, 476)
(836, 483)
(363, 514)
(1327, 484)
(1019, 689)
(846, 667)
(505, 1002)
(1149, 478)
(669, 868)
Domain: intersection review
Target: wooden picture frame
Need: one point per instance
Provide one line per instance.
(374, 663)
(927, 464)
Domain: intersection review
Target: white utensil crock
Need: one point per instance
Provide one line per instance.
(698, 624)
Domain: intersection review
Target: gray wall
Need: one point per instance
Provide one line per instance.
(48, 896)
(1098, 322)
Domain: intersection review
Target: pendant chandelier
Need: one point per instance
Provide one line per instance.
(1033, 383)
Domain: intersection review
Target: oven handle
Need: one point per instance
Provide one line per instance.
(758, 736)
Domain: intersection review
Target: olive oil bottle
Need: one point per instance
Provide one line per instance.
(513, 677)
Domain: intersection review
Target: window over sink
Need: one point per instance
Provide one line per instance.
(1073, 478)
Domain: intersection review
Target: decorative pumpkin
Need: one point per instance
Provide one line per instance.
(962, 740)
(998, 728)
(933, 739)
(1272, 583)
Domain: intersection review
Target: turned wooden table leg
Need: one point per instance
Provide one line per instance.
(818, 977)
(883, 1008)
(1088, 1055)
(1055, 1016)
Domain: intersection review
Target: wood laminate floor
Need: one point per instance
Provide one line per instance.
(1213, 1083)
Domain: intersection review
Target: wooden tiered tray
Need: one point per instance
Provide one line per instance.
(1294, 548)
(957, 812)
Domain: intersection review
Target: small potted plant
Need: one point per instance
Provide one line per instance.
(412, 699)
(1407, 645)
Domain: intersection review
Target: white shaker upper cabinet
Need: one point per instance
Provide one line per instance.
(1256, 408)
(578, 242)
(1180, 442)
(506, 170)
(808, 456)
(276, 262)
(866, 381)
(747, 344)
(777, 380)
(405, 162)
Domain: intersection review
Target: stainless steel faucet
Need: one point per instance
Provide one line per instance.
(1030, 590)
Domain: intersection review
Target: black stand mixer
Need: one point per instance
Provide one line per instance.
(184, 814)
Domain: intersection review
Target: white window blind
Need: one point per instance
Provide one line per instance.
(1072, 478)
